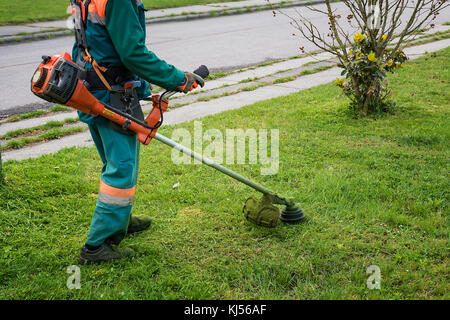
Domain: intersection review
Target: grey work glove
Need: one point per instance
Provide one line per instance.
(190, 82)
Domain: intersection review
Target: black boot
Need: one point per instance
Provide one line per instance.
(106, 252)
(138, 224)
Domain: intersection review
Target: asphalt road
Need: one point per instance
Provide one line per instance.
(221, 43)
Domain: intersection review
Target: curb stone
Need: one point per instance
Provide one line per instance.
(35, 36)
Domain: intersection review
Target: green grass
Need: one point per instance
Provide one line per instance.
(375, 192)
(312, 62)
(59, 108)
(27, 115)
(32, 130)
(31, 10)
(51, 134)
(12, 12)
(248, 80)
(37, 113)
(283, 80)
(217, 75)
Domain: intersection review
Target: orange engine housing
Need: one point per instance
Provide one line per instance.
(57, 80)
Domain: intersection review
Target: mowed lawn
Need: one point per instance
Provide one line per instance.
(375, 191)
(41, 10)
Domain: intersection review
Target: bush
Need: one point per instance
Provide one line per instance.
(365, 70)
(368, 55)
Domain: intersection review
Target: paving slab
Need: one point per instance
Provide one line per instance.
(82, 139)
(34, 122)
(420, 50)
(50, 24)
(12, 30)
(8, 31)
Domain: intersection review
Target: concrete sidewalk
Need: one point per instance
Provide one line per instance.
(43, 30)
(200, 109)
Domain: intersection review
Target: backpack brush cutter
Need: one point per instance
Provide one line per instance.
(57, 80)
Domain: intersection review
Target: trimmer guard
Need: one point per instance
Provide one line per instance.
(262, 212)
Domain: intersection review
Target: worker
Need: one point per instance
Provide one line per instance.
(110, 45)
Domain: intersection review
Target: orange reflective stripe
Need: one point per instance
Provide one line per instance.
(116, 192)
(98, 7)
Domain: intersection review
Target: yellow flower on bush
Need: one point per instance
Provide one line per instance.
(350, 52)
(384, 37)
(359, 37)
(372, 57)
(339, 81)
(390, 63)
(359, 54)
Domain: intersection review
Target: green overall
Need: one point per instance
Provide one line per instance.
(116, 34)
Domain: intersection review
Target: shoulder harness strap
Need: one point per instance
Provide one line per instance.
(81, 8)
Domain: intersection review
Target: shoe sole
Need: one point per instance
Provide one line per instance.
(84, 261)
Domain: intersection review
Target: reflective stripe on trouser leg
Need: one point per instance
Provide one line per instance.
(111, 216)
(120, 155)
(116, 196)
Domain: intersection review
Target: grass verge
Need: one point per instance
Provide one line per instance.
(49, 125)
(51, 134)
(37, 113)
(375, 192)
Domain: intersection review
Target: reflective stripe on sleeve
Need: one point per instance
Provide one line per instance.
(95, 18)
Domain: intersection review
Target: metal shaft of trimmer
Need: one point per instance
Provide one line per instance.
(211, 163)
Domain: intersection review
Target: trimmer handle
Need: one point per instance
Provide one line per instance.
(202, 71)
